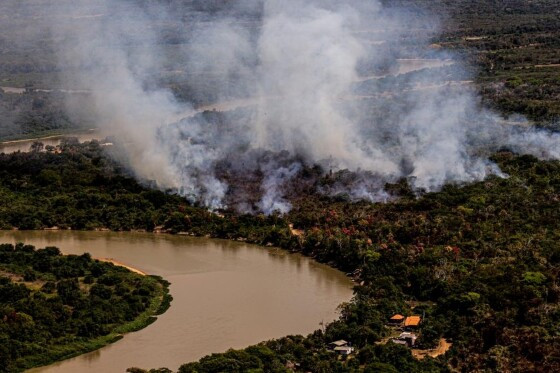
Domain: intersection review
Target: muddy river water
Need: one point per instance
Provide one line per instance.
(226, 294)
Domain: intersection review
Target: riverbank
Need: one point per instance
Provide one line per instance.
(46, 135)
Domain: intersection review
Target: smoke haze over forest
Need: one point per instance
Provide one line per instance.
(316, 79)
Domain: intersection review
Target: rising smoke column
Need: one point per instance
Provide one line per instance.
(296, 66)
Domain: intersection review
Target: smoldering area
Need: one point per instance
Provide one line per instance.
(249, 104)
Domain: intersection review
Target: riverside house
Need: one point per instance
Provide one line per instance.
(412, 322)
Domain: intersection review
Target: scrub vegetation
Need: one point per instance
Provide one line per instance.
(514, 45)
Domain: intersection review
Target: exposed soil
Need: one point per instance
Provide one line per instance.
(441, 349)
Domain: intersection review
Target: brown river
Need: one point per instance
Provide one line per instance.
(226, 294)
(55, 140)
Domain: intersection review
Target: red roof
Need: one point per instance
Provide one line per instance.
(412, 321)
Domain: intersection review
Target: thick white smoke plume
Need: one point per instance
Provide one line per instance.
(329, 82)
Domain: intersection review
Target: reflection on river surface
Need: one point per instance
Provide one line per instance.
(226, 294)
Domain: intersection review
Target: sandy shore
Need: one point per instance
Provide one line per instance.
(117, 263)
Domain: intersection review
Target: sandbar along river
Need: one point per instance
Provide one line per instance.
(226, 294)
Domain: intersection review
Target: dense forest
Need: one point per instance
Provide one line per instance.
(79, 189)
(479, 261)
(54, 307)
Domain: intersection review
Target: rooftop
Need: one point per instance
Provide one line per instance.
(339, 343)
(407, 335)
(412, 321)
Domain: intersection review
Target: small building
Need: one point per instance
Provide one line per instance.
(396, 319)
(341, 347)
(406, 339)
(412, 322)
(409, 338)
(344, 350)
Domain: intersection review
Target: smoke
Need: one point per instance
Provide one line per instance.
(272, 199)
(340, 84)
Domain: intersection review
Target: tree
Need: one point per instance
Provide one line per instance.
(36, 147)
